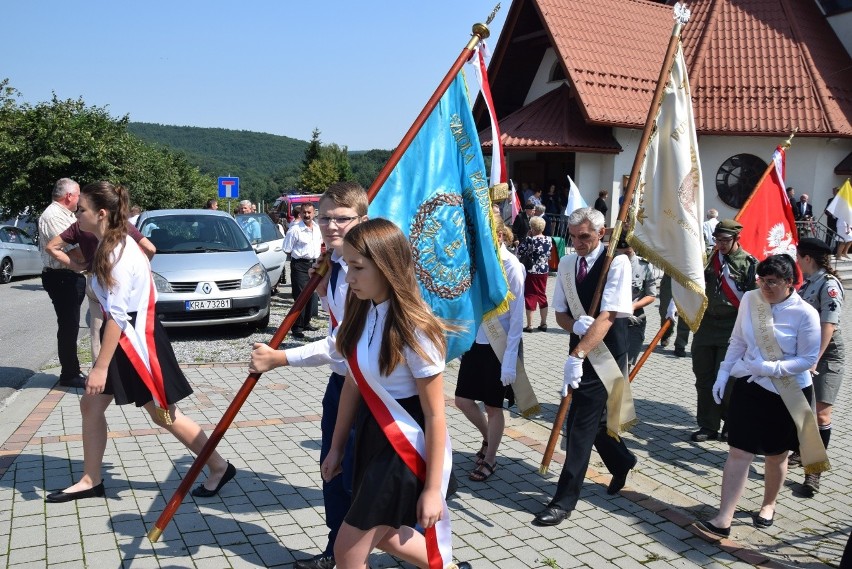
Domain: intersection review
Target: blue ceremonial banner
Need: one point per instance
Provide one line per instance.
(438, 195)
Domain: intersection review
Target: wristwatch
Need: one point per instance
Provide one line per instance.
(580, 355)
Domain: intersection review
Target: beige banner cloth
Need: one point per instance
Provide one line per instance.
(525, 397)
(620, 413)
(811, 449)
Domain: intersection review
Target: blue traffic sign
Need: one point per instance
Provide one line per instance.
(229, 187)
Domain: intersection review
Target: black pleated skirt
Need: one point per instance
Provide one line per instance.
(479, 376)
(385, 490)
(758, 421)
(125, 384)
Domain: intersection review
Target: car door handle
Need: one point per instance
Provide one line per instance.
(277, 249)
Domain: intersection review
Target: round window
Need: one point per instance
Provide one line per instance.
(737, 178)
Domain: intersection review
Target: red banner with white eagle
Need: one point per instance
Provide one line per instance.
(767, 217)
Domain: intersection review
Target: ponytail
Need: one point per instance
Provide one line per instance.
(115, 201)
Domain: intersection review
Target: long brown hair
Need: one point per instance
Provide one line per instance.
(113, 199)
(383, 243)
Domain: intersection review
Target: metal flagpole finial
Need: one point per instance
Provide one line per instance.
(493, 14)
(789, 141)
(681, 13)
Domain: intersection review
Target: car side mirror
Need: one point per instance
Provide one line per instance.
(261, 248)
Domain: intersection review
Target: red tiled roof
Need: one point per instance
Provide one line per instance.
(553, 122)
(757, 67)
(765, 67)
(612, 51)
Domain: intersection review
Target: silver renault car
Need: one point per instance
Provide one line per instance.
(205, 270)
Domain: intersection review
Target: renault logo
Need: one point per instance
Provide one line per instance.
(206, 288)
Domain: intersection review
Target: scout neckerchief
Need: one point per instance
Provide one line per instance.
(620, 414)
(814, 457)
(524, 395)
(409, 442)
(726, 282)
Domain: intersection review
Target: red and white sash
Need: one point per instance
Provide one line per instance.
(729, 286)
(137, 341)
(409, 442)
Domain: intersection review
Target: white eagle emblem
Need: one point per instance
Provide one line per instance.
(779, 240)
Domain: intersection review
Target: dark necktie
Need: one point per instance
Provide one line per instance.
(583, 271)
(335, 270)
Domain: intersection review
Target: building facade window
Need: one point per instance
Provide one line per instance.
(737, 178)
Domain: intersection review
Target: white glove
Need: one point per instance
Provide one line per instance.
(582, 324)
(572, 374)
(759, 367)
(719, 386)
(671, 313)
(507, 376)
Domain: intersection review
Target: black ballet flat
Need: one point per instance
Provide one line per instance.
(60, 496)
(711, 529)
(761, 522)
(202, 492)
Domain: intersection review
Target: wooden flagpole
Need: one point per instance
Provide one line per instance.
(681, 16)
(479, 33)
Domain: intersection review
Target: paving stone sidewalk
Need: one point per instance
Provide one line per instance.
(272, 513)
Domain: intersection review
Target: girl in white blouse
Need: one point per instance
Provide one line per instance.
(758, 420)
(394, 395)
(136, 363)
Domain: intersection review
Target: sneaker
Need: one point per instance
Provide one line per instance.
(794, 460)
(319, 562)
(704, 434)
(811, 485)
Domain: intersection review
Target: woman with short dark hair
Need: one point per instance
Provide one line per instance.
(774, 344)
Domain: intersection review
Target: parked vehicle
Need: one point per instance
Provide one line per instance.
(205, 270)
(274, 257)
(282, 209)
(19, 254)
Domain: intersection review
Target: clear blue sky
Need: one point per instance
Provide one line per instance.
(360, 71)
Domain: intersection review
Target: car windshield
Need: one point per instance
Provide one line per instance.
(187, 233)
(258, 227)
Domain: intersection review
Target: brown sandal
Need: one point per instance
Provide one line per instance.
(480, 454)
(482, 472)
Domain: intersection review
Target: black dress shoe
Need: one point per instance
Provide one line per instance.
(717, 531)
(760, 522)
(704, 434)
(619, 480)
(60, 496)
(723, 436)
(297, 333)
(311, 328)
(680, 352)
(464, 565)
(551, 516)
(201, 492)
(78, 381)
(319, 562)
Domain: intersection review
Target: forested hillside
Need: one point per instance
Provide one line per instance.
(267, 164)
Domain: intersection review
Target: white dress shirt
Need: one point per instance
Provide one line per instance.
(618, 290)
(512, 320)
(303, 242)
(797, 331)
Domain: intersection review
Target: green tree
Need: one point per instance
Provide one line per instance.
(65, 138)
(339, 156)
(319, 175)
(312, 152)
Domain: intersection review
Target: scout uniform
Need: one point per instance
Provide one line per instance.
(727, 278)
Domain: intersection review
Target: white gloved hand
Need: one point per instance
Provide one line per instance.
(508, 376)
(572, 374)
(762, 368)
(582, 324)
(671, 313)
(719, 386)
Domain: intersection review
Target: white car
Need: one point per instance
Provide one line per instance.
(19, 254)
(261, 231)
